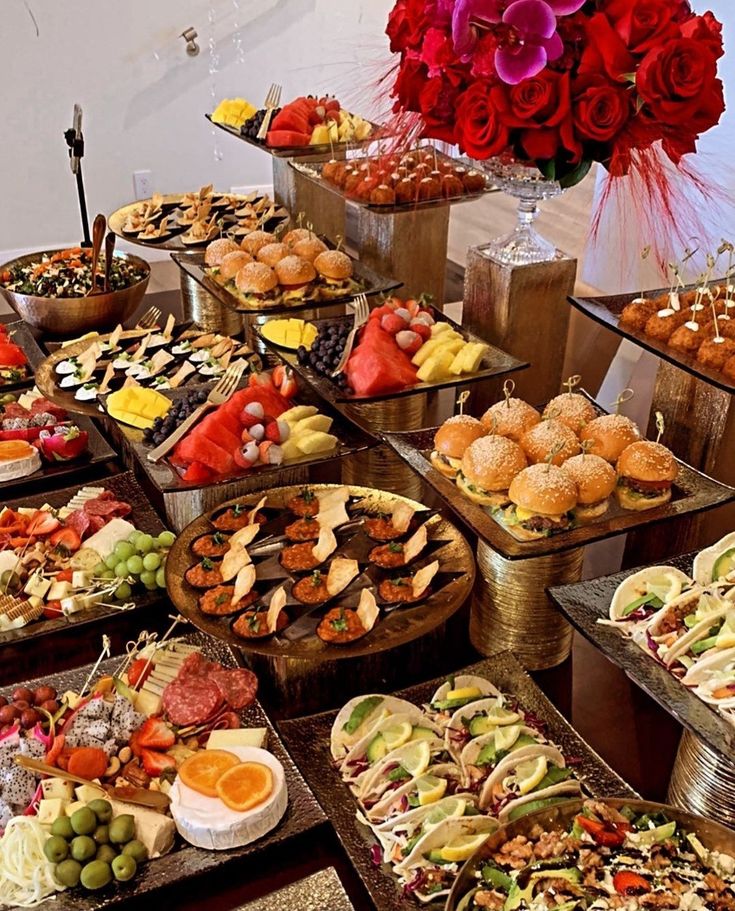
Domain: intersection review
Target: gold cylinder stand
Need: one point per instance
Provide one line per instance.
(380, 466)
(205, 310)
(322, 209)
(511, 610)
(702, 781)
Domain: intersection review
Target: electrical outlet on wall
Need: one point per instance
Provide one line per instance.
(143, 184)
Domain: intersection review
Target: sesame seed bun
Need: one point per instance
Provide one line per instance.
(256, 240)
(294, 236)
(218, 249)
(573, 409)
(489, 466)
(544, 490)
(309, 248)
(595, 480)
(334, 264)
(256, 278)
(271, 254)
(647, 461)
(609, 435)
(510, 419)
(292, 271)
(451, 440)
(232, 263)
(540, 441)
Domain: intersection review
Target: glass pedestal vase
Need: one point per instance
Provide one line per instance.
(524, 245)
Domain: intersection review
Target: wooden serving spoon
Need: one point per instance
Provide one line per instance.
(98, 235)
(157, 800)
(109, 250)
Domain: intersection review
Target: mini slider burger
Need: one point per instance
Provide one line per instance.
(488, 468)
(256, 282)
(231, 264)
(571, 409)
(218, 249)
(510, 418)
(335, 272)
(608, 435)
(451, 441)
(542, 498)
(595, 480)
(295, 276)
(646, 471)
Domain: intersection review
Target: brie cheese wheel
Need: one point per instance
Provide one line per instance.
(206, 822)
(20, 467)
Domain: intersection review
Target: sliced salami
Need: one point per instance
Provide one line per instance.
(106, 505)
(79, 521)
(238, 687)
(191, 702)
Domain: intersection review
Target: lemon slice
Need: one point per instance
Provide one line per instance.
(395, 737)
(463, 847)
(500, 716)
(430, 789)
(415, 757)
(506, 736)
(448, 808)
(530, 773)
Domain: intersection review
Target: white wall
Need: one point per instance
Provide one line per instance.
(143, 113)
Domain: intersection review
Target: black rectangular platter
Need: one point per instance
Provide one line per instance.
(371, 282)
(584, 603)
(165, 478)
(606, 311)
(692, 492)
(126, 488)
(185, 862)
(307, 739)
(495, 363)
(21, 334)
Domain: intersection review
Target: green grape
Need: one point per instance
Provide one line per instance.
(134, 537)
(148, 579)
(123, 549)
(99, 570)
(145, 543)
(123, 591)
(121, 570)
(135, 565)
(166, 538)
(108, 574)
(111, 561)
(151, 562)
(161, 578)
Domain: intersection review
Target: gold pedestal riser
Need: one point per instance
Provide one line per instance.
(702, 781)
(510, 608)
(205, 310)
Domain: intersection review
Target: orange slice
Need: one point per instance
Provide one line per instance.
(15, 449)
(202, 771)
(245, 786)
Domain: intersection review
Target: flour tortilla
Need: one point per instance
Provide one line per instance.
(461, 682)
(705, 560)
(712, 673)
(639, 583)
(386, 808)
(504, 768)
(473, 749)
(442, 836)
(373, 783)
(417, 718)
(342, 742)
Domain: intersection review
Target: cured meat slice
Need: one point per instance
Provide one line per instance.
(106, 505)
(238, 687)
(79, 521)
(192, 701)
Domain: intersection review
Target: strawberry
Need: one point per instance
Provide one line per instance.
(289, 387)
(408, 341)
(154, 763)
(137, 670)
(421, 329)
(273, 431)
(65, 540)
(42, 523)
(392, 323)
(155, 734)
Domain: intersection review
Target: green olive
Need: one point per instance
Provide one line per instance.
(102, 809)
(101, 835)
(124, 867)
(56, 849)
(122, 829)
(106, 853)
(83, 848)
(84, 822)
(62, 826)
(96, 875)
(68, 872)
(137, 850)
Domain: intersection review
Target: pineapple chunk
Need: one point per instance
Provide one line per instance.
(298, 413)
(315, 442)
(436, 368)
(314, 422)
(291, 450)
(469, 358)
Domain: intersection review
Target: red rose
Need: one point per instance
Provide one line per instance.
(678, 83)
(437, 51)
(601, 108)
(706, 30)
(410, 80)
(541, 106)
(397, 29)
(605, 51)
(437, 102)
(479, 131)
(645, 23)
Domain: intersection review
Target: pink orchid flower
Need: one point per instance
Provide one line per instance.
(526, 29)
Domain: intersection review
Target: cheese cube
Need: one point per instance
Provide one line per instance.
(148, 703)
(37, 585)
(57, 788)
(153, 829)
(81, 579)
(87, 793)
(59, 590)
(71, 808)
(50, 809)
(239, 737)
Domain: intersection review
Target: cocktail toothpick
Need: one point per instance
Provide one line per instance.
(462, 400)
(553, 453)
(509, 387)
(133, 649)
(586, 446)
(645, 253)
(105, 653)
(660, 426)
(572, 383)
(625, 396)
(727, 247)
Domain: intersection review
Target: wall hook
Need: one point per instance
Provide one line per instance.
(190, 35)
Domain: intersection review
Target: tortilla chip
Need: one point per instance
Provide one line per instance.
(341, 572)
(169, 328)
(325, 546)
(402, 515)
(278, 602)
(88, 360)
(367, 610)
(234, 560)
(243, 583)
(254, 512)
(420, 581)
(160, 360)
(415, 544)
(115, 335)
(185, 370)
(140, 353)
(333, 517)
(245, 535)
(332, 495)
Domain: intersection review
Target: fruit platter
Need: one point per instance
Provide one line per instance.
(319, 571)
(265, 273)
(308, 125)
(145, 361)
(40, 441)
(20, 354)
(609, 851)
(670, 627)
(532, 482)
(268, 423)
(78, 555)
(189, 221)
(415, 782)
(415, 179)
(169, 753)
(407, 346)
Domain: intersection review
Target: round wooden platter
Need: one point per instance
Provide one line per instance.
(46, 375)
(398, 628)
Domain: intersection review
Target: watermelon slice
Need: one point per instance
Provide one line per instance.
(201, 449)
(377, 365)
(197, 473)
(281, 139)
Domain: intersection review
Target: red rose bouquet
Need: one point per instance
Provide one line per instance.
(559, 84)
